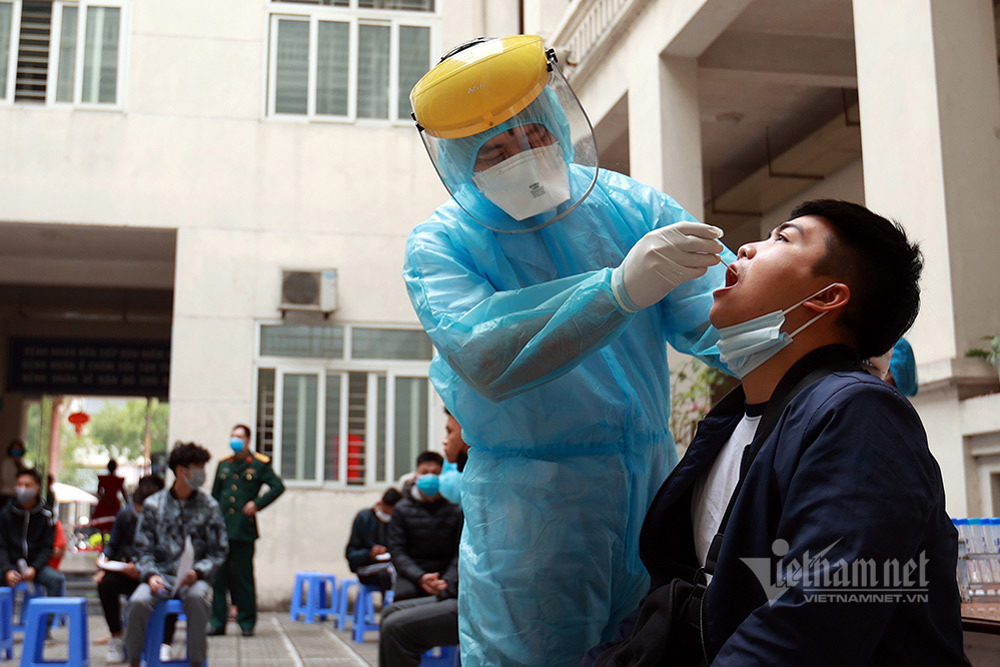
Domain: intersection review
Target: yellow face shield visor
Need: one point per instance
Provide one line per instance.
(506, 133)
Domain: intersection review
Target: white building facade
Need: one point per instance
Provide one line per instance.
(180, 171)
(194, 172)
(742, 108)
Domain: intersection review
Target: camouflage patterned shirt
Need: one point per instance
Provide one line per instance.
(166, 521)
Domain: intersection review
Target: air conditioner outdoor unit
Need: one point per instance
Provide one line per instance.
(309, 290)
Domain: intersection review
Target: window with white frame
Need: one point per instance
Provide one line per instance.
(62, 51)
(344, 405)
(348, 59)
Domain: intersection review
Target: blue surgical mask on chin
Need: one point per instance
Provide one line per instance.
(745, 346)
(236, 444)
(429, 484)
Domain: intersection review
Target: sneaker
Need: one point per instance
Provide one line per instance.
(116, 650)
(165, 653)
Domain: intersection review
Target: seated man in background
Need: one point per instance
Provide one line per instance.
(367, 553)
(424, 534)
(27, 534)
(808, 494)
(169, 518)
(113, 583)
(412, 627)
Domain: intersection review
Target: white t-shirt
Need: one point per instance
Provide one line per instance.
(713, 491)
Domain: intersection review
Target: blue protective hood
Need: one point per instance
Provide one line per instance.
(903, 367)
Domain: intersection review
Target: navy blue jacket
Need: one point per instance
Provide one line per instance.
(845, 477)
(366, 532)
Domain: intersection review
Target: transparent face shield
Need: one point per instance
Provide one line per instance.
(527, 172)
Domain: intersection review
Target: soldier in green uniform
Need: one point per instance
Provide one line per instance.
(238, 482)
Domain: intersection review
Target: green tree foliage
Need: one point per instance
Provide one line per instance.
(120, 430)
(694, 389)
(38, 424)
(117, 431)
(36, 439)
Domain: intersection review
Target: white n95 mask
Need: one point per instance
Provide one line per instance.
(745, 346)
(529, 183)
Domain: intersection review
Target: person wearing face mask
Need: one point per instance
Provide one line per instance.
(239, 481)
(169, 518)
(112, 583)
(366, 552)
(550, 289)
(456, 454)
(424, 534)
(410, 628)
(27, 533)
(774, 540)
(10, 466)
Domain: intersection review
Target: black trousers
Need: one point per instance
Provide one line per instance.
(407, 590)
(115, 584)
(381, 579)
(413, 627)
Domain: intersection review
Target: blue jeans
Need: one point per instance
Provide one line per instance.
(52, 581)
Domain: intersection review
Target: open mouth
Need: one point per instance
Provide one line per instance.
(731, 276)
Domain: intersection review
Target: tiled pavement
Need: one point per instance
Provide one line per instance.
(278, 642)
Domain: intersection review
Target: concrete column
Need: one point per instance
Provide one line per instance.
(664, 128)
(212, 341)
(930, 124)
(930, 129)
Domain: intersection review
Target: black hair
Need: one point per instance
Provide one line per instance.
(391, 497)
(146, 487)
(246, 429)
(433, 457)
(32, 473)
(186, 453)
(112, 466)
(880, 265)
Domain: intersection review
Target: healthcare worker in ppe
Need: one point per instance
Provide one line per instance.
(549, 289)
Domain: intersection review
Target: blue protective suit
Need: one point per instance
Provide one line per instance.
(450, 483)
(564, 400)
(903, 367)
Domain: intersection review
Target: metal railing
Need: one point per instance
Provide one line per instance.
(586, 29)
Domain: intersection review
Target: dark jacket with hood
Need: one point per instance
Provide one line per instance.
(26, 534)
(366, 533)
(845, 482)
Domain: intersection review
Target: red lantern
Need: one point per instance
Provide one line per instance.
(78, 419)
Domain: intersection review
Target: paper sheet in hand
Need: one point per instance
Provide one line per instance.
(186, 565)
(110, 565)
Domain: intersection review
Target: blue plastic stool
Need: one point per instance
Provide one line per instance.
(28, 596)
(315, 601)
(154, 633)
(343, 599)
(441, 656)
(37, 624)
(328, 598)
(364, 610)
(7, 622)
(61, 620)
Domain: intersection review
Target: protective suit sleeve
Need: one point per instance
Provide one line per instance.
(859, 492)
(505, 342)
(685, 312)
